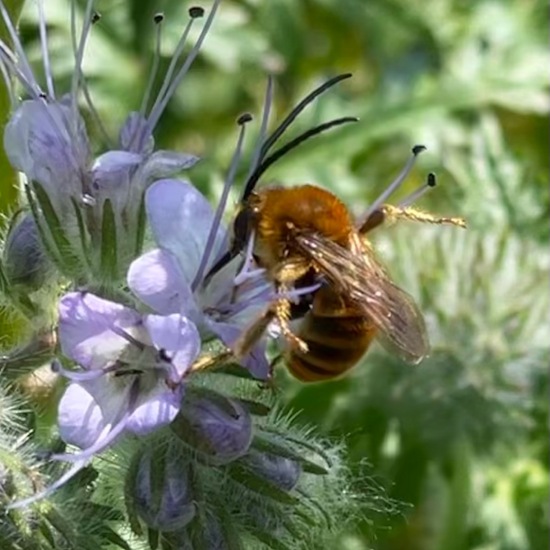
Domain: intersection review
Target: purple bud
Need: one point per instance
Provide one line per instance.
(218, 427)
(282, 472)
(162, 490)
(25, 261)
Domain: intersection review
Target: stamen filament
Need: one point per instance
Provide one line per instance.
(395, 184)
(44, 48)
(157, 111)
(256, 155)
(25, 68)
(158, 19)
(418, 193)
(173, 62)
(79, 51)
(221, 205)
(8, 83)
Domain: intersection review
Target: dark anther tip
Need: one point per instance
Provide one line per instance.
(244, 118)
(417, 149)
(96, 16)
(158, 17)
(195, 12)
(431, 180)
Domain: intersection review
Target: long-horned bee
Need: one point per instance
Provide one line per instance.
(315, 252)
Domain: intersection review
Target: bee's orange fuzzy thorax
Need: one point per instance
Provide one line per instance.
(305, 208)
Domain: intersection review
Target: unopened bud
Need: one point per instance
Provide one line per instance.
(282, 472)
(218, 427)
(162, 489)
(24, 259)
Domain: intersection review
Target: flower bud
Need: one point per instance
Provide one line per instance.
(218, 427)
(282, 472)
(162, 490)
(25, 262)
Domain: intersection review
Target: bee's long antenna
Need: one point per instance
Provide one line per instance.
(276, 155)
(279, 131)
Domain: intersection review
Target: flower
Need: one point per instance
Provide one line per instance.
(91, 207)
(132, 378)
(166, 279)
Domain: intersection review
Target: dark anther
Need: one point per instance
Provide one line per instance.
(195, 12)
(244, 118)
(163, 355)
(42, 95)
(417, 149)
(96, 16)
(431, 180)
(158, 17)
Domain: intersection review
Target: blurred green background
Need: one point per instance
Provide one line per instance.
(460, 442)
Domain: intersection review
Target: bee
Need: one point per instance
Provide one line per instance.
(311, 247)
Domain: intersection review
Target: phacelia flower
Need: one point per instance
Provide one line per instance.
(89, 208)
(172, 278)
(131, 377)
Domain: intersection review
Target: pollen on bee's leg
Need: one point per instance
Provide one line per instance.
(415, 215)
(282, 314)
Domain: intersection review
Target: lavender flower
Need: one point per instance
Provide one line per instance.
(171, 278)
(88, 209)
(132, 379)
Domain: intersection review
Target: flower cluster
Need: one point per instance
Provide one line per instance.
(126, 250)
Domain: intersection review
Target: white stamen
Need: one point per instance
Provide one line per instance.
(7, 82)
(221, 206)
(79, 376)
(246, 273)
(263, 128)
(418, 193)
(154, 66)
(157, 111)
(173, 62)
(25, 68)
(394, 185)
(10, 63)
(295, 293)
(79, 53)
(44, 48)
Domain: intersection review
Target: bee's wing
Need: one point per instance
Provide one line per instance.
(364, 281)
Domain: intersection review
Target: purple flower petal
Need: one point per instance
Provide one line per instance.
(86, 328)
(88, 409)
(135, 135)
(155, 278)
(177, 337)
(163, 164)
(180, 218)
(41, 141)
(256, 361)
(156, 410)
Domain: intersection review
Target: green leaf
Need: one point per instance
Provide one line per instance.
(270, 541)
(65, 253)
(114, 538)
(109, 248)
(140, 230)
